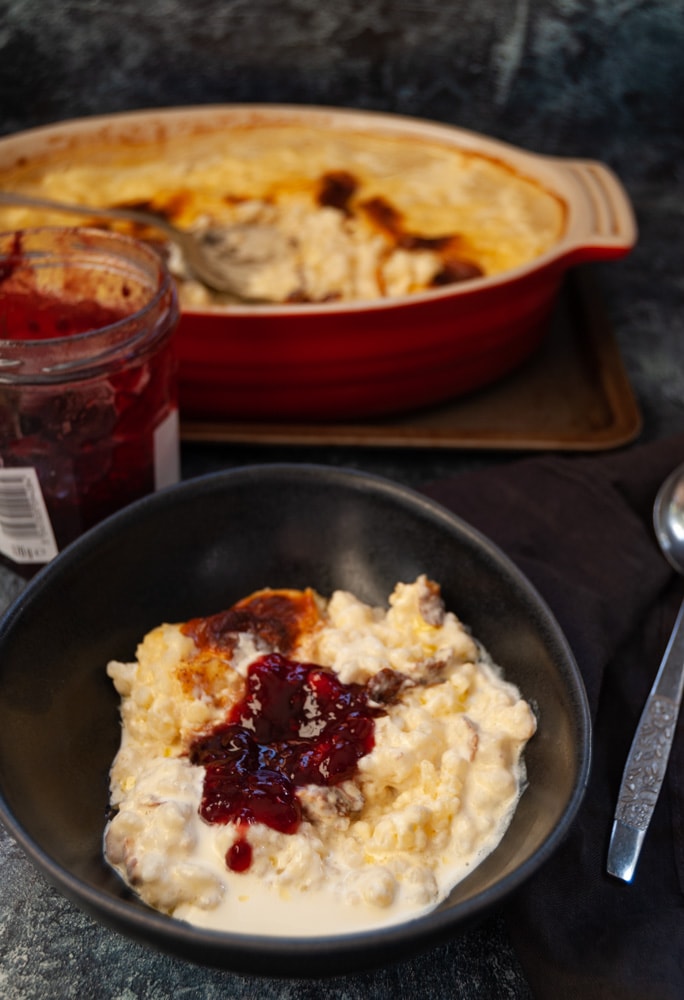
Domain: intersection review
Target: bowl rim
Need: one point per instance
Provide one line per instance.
(211, 946)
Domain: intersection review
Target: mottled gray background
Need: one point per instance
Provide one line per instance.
(594, 78)
(602, 78)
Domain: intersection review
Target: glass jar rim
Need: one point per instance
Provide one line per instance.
(122, 335)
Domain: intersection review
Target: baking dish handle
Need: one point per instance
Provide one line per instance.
(605, 216)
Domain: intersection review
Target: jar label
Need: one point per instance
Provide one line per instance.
(167, 451)
(26, 534)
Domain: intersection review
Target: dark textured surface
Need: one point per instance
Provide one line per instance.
(602, 79)
(595, 79)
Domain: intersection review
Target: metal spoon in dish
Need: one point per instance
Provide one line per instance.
(222, 258)
(650, 751)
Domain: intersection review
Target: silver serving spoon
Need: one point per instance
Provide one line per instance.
(650, 751)
(222, 258)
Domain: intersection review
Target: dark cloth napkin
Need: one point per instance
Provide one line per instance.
(580, 528)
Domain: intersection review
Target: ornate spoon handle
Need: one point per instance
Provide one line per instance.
(647, 760)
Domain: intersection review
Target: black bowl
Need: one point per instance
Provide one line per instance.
(196, 548)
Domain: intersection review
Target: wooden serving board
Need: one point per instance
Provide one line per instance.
(573, 394)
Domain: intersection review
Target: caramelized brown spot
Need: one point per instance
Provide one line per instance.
(336, 190)
(169, 207)
(240, 199)
(207, 672)
(299, 295)
(385, 216)
(411, 241)
(455, 269)
(141, 205)
(277, 617)
(390, 220)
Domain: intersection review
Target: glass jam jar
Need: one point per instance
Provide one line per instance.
(88, 396)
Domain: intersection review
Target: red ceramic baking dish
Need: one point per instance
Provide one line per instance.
(342, 360)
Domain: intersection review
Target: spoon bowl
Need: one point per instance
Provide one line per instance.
(220, 257)
(668, 518)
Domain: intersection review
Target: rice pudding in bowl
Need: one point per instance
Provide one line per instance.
(299, 765)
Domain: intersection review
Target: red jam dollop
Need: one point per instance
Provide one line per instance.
(297, 724)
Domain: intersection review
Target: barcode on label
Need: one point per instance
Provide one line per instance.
(26, 534)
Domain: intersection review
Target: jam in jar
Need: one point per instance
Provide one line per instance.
(88, 396)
